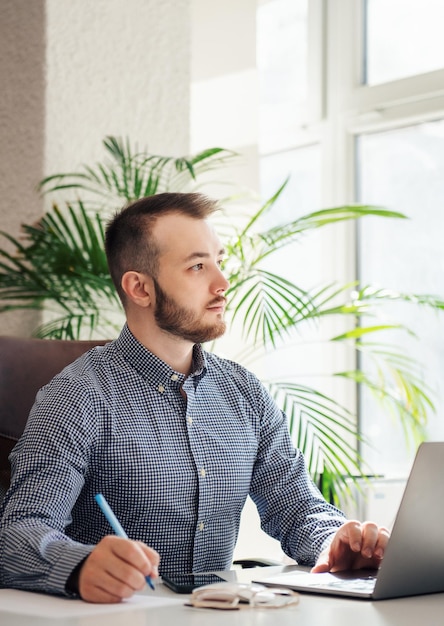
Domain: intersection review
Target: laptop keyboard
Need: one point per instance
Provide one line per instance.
(365, 585)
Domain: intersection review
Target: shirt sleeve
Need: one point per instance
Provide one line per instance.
(291, 508)
(48, 469)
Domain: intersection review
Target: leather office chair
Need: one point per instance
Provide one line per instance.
(25, 366)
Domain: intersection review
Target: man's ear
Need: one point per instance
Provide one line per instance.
(138, 288)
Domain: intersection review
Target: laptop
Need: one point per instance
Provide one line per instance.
(413, 563)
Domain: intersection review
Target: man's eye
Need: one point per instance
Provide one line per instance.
(197, 267)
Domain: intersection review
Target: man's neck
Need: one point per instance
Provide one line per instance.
(174, 351)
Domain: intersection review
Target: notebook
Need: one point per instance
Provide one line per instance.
(413, 563)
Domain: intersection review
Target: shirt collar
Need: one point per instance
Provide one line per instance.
(150, 366)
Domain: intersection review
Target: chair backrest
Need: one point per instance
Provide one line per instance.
(25, 366)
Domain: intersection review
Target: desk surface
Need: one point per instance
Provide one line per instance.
(169, 608)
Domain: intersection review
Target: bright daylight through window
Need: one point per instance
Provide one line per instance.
(352, 108)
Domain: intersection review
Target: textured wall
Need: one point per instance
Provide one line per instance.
(22, 97)
(73, 71)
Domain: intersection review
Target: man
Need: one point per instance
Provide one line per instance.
(174, 437)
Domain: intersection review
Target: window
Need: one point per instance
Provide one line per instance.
(403, 38)
(282, 63)
(404, 169)
(302, 166)
(363, 121)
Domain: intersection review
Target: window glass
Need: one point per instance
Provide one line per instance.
(301, 195)
(404, 170)
(301, 262)
(403, 38)
(282, 67)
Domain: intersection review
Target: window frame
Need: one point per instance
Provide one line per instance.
(342, 108)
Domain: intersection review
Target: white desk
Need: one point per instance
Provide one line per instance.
(312, 610)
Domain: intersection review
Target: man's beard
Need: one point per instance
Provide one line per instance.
(183, 322)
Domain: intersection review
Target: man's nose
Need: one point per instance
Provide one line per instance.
(221, 283)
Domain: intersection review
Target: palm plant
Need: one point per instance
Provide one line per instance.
(60, 267)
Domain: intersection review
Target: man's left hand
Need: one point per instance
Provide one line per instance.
(355, 545)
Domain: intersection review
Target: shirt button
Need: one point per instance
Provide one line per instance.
(203, 472)
(189, 420)
(160, 388)
(174, 377)
(201, 526)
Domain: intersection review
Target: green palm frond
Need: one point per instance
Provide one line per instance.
(395, 381)
(128, 175)
(60, 265)
(268, 305)
(285, 234)
(324, 430)
(73, 326)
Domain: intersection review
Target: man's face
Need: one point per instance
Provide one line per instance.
(190, 286)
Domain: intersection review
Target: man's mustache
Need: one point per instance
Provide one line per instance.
(218, 300)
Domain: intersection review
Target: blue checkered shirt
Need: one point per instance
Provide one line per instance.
(176, 471)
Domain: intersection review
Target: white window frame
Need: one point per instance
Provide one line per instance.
(341, 108)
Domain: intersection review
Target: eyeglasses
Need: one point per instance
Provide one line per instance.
(228, 595)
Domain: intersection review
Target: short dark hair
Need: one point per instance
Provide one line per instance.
(128, 241)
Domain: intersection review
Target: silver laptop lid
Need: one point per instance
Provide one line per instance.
(414, 560)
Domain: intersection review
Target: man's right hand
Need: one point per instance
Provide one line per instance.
(116, 569)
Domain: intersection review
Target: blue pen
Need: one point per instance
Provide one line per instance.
(114, 523)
